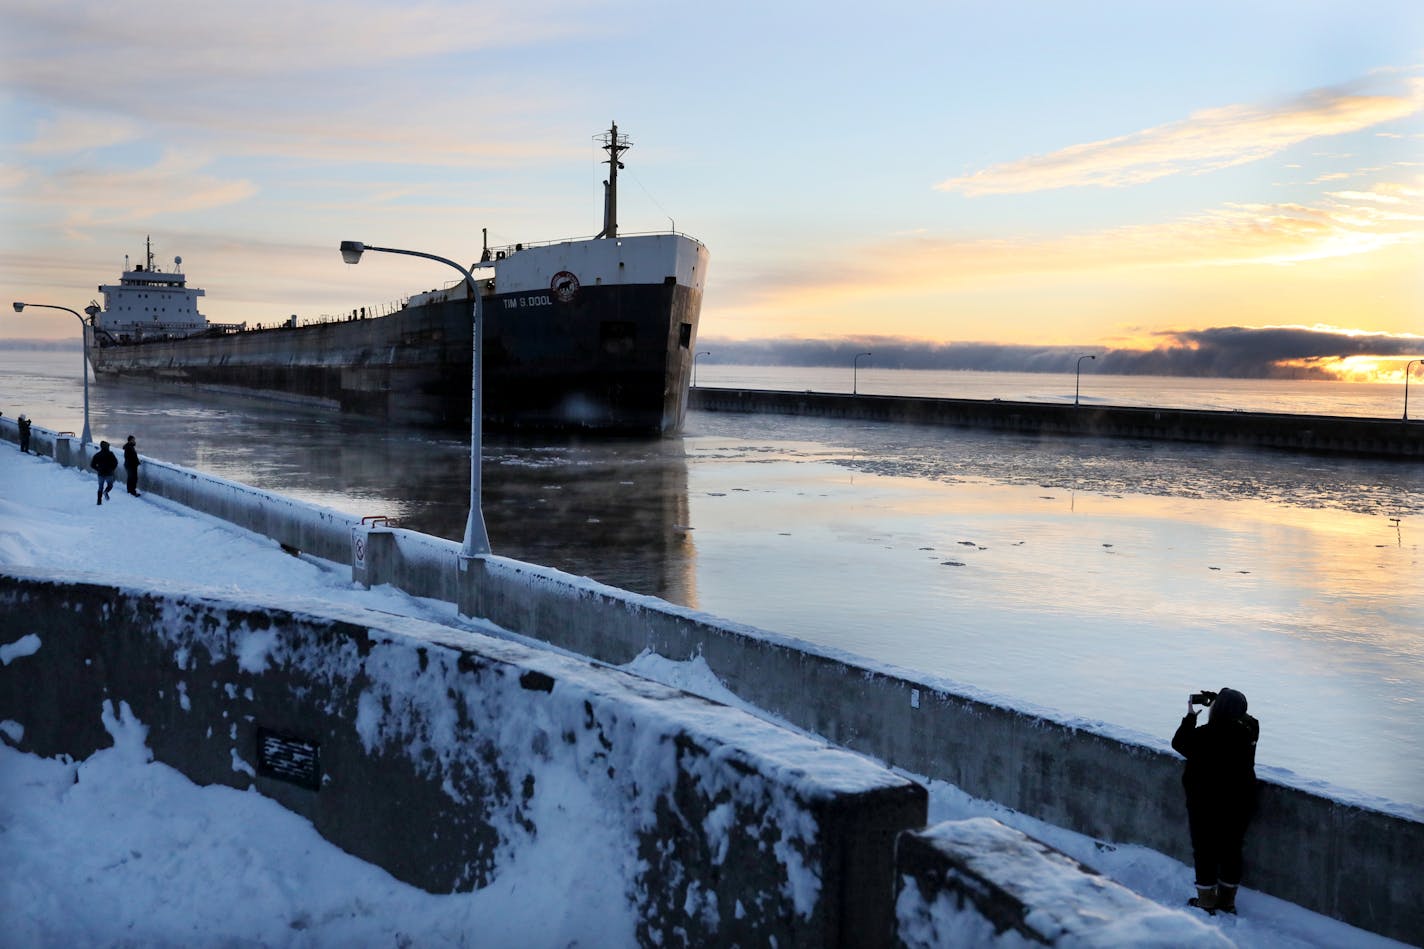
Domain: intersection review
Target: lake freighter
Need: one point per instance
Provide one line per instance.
(592, 334)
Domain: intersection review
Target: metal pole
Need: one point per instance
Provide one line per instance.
(694, 367)
(855, 373)
(84, 333)
(84, 338)
(476, 537)
(1078, 375)
(1407, 370)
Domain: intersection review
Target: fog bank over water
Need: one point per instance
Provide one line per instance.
(1242, 352)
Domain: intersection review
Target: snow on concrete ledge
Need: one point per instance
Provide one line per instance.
(977, 882)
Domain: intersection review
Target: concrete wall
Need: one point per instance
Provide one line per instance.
(977, 882)
(1348, 861)
(442, 756)
(1389, 438)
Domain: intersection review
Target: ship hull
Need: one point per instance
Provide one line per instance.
(614, 356)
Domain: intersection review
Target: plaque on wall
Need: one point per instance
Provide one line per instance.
(288, 758)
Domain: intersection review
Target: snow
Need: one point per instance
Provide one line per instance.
(1067, 907)
(121, 850)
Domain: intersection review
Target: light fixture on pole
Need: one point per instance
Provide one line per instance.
(694, 366)
(1078, 375)
(1407, 370)
(84, 335)
(476, 537)
(854, 373)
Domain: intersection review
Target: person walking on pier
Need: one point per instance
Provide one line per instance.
(24, 434)
(105, 463)
(1220, 782)
(131, 463)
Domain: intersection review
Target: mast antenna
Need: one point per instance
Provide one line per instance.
(615, 145)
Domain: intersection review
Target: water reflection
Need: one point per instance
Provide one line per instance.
(615, 510)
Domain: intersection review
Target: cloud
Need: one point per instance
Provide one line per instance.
(1340, 224)
(353, 81)
(91, 197)
(1208, 140)
(1229, 351)
(217, 43)
(68, 132)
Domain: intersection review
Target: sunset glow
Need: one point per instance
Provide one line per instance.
(1107, 176)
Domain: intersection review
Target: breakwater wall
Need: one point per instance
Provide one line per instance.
(1347, 860)
(1326, 434)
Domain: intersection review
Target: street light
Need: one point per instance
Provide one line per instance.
(694, 367)
(476, 538)
(1406, 386)
(1079, 374)
(84, 334)
(854, 371)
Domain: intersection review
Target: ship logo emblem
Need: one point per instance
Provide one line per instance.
(565, 286)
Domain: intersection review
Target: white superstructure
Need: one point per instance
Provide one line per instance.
(147, 303)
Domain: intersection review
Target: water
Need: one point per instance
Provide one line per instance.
(1098, 579)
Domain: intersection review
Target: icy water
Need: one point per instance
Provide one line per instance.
(1100, 580)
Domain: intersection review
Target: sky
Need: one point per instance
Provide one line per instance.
(71, 874)
(1110, 177)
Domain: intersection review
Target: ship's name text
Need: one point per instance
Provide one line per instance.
(537, 299)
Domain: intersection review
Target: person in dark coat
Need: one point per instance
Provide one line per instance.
(1220, 781)
(24, 435)
(105, 463)
(131, 465)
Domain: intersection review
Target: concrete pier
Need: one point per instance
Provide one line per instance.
(1327, 434)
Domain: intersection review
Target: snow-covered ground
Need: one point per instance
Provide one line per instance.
(119, 850)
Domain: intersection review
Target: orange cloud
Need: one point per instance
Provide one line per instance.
(1206, 141)
(1346, 223)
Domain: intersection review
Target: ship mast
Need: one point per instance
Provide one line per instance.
(615, 145)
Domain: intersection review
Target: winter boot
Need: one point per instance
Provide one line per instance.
(1205, 899)
(100, 498)
(1226, 898)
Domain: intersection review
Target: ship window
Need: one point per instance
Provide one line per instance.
(684, 335)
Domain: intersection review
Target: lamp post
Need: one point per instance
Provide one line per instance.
(476, 537)
(694, 366)
(1407, 370)
(1078, 375)
(854, 373)
(84, 338)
